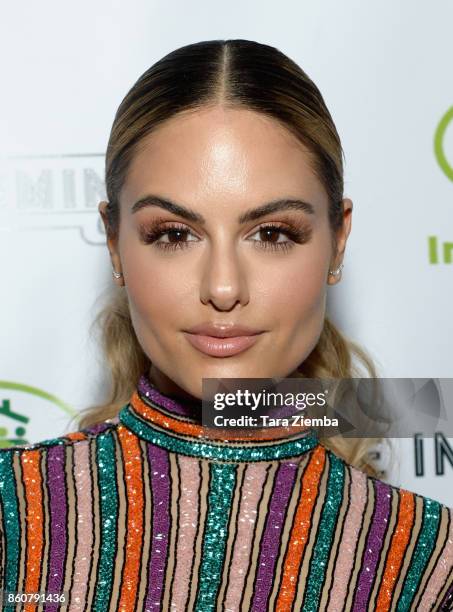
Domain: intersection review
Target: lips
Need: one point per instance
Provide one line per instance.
(222, 330)
(222, 347)
(222, 339)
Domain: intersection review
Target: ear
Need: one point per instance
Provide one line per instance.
(345, 230)
(112, 243)
(342, 238)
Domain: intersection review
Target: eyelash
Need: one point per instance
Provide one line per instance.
(298, 235)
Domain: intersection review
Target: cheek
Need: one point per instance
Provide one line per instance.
(301, 285)
(298, 287)
(155, 291)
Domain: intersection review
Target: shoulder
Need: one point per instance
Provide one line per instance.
(367, 484)
(52, 465)
(389, 499)
(70, 439)
(406, 537)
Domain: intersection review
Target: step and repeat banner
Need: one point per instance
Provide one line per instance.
(384, 70)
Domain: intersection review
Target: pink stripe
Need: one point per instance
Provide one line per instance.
(188, 520)
(346, 553)
(84, 525)
(442, 570)
(252, 487)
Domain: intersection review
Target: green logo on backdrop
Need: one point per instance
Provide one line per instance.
(439, 149)
(22, 408)
(438, 250)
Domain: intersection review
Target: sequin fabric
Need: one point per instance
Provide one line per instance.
(152, 511)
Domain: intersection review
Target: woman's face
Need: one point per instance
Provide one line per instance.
(218, 165)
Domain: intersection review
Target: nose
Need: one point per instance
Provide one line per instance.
(224, 278)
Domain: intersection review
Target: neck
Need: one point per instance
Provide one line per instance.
(176, 424)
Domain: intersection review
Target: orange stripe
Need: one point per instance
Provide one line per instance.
(216, 433)
(397, 549)
(76, 435)
(300, 530)
(134, 482)
(34, 518)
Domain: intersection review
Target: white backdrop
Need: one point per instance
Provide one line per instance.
(384, 70)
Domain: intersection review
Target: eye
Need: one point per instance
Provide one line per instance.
(271, 239)
(172, 233)
(272, 236)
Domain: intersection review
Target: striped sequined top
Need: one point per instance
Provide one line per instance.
(147, 511)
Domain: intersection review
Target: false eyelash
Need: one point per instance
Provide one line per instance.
(152, 234)
(299, 235)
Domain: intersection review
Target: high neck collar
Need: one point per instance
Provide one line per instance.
(176, 425)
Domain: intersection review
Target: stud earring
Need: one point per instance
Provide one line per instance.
(117, 274)
(337, 271)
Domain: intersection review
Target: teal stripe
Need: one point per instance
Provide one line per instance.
(50, 442)
(327, 525)
(106, 468)
(222, 482)
(193, 448)
(424, 547)
(10, 519)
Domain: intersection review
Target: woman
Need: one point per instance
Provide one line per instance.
(225, 216)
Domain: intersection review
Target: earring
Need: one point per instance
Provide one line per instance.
(117, 274)
(337, 271)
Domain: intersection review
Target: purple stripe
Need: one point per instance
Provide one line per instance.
(96, 428)
(58, 511)
(283, 485)
(159, 468)
(374, 543)
(147, 390)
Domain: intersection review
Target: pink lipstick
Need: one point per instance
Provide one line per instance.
(222, 339)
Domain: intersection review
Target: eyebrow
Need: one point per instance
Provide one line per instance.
(250, 215)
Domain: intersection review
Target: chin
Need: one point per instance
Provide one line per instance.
(234, 371)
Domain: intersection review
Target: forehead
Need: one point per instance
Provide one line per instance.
(222, 157)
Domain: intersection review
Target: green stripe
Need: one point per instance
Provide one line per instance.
(10, 519)
(425, 544)
(222, 483)
(327, 525)
(106, 468)
(226, 452)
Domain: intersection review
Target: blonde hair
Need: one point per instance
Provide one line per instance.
(236, 74)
